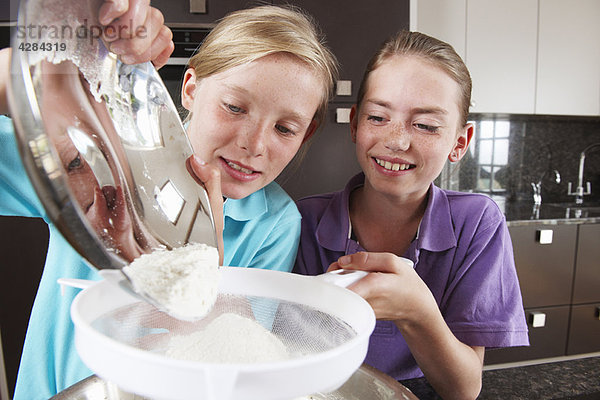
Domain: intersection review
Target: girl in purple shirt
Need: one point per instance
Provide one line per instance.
(462, 295)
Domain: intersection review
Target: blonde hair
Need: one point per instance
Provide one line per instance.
(246, 35)
(439, 53)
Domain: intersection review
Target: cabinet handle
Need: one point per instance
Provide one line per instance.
(343, 88)
(342, 115)
(537, 319)
(544, 236)
(198, 6)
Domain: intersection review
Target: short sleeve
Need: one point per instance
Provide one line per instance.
(17, 196)
(483, 304)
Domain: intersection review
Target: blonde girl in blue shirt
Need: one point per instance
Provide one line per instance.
(256, 91)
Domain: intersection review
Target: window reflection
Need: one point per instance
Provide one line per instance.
(491, 152)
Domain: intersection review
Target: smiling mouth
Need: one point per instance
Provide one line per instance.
(390, 166)
(239, 168)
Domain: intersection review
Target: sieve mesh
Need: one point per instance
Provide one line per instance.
(302, 329)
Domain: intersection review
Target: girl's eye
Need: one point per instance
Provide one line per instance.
(375, 118)
(235, 109)
(285, 131)
(428, 128)
(75, 163)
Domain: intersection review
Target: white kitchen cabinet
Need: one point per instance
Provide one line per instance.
(501, 55)
(445, 20)
(568, 73)
(525, 56)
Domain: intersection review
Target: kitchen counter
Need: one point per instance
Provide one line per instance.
(526, 213)
(573, 379)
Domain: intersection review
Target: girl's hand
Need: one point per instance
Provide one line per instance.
(393, 288)
(210, 177)
(136, 32)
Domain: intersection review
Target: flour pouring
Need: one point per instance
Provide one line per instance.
(184, 281)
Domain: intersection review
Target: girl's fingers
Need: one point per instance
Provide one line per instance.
(112, 9)
(135, 31)
(210, 178)
(374, 262)
(127, 16)
(160, 53)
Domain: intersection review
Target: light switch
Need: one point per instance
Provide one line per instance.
(544, 236)
(537, 319)
(342, 115)
(343, 88)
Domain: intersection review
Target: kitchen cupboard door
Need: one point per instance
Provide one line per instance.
(327, 165)
(584, 331)
(178, 11)
(547, 340)
(445, 20)
(545, 270)
(501, 55)
(9, 10)
(354, 30)
(568, 71)
(586, 288)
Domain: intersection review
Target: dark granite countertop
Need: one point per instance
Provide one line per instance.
(565, 380)
(526, 213)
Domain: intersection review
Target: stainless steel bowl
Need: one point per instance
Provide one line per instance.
(367, 383)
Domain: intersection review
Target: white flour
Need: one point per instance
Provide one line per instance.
(184, 280)
(230, 338)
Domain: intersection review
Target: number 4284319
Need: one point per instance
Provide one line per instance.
(42, 46)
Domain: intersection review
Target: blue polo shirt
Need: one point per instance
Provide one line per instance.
(462, 252)
(261, 230)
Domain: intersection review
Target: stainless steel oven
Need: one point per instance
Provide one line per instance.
(187, 38)
(6, 29)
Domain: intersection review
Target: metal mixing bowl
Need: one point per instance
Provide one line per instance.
(367, 383)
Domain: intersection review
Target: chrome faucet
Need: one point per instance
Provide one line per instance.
(537, 193)
(580, 191)
(537, 187)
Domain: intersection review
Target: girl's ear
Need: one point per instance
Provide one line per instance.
(462, 143)
(353, 122)
(188, 89)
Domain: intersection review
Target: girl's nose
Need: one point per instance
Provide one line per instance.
(253, 140)
(398, 138)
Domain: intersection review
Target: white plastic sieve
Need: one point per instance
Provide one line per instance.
(325, 328)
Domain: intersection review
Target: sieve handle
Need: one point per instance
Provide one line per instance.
(74, 283)
(342, 277)
(346, 277)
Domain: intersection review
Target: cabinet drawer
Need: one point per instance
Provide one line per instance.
(584, 331)
(545, 341)
(545, 270)
(587, 269)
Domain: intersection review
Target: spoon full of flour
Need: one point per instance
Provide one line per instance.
(182, 282)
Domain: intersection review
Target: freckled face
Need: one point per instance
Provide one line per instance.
(251, 120)
(407, 126)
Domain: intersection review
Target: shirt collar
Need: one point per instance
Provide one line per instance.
(332, 231)
(436, 230)
(435, 233)
(248, 208)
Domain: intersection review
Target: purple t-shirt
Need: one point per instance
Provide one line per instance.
(462, 252)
